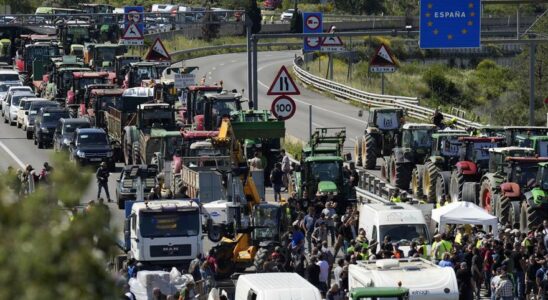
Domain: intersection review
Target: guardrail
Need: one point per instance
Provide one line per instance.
(409, 104)
(236, 46)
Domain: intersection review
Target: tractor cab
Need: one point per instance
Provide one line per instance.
(445, 148)
(213, 107)
(499, 157)
(537, 142)
(516, 134)
(155, 115)
(80, 80)
(5, 51)
(535, 207)
(74, 32)
(385, 119)
(195, 95)
(139, 71)
(417, 140)
(99, 101)
(122, 64)
(102, 56)
(476, 150)
(268, 222)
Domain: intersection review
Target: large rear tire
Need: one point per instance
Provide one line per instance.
(504, 214)
(136, 155)
(358, 151)
(456, 186)
(515, 211)
(369, 152)
(260, 258)
(470, 192)
(530, 217)
(416, 181)
(384, 169)
(400, 174)
(442, 186)
(488, 197)
(431, 173)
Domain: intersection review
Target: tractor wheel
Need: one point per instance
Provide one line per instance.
(431, 173)
(384, 169)
(515, 211)
(127, 154)
(442, 186)
(488, 197)
(177, 184)
(530, 217)
(260, 258)
(416, 181)
(470, 192)
(504, 214)
(456, 186)
(215, 233)
(136, 153)
(358, 151)
(369, 152)
(400, 174)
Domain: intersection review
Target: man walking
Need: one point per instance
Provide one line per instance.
(102, 175)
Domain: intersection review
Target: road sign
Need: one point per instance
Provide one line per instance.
(283, 84)
(184, 80)
(283, 107)
(312, 23)
(450, 24)
(332, 44)
(132, 36)
(158, 52)
(383, 61)
(133, 25)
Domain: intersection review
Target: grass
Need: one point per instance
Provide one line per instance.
(293, 147)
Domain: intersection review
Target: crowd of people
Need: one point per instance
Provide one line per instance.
(24, 181)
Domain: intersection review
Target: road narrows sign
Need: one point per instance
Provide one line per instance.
(283, 84)
(283, 107)
(383, 61)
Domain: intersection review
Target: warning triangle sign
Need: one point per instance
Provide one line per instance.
(383, 57)
(332, 41)
(132, 33)
(158, 52)
(283, 84)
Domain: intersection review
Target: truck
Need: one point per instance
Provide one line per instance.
(98, 102)
(424, 279)
(273, 286)
(162, 233)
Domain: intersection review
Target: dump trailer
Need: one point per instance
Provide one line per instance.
(203, 176)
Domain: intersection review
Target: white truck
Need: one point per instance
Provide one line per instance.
(163, 232)
(424, 279)
(274, 286)
(403, 222)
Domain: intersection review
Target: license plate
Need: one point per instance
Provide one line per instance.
(95, 159)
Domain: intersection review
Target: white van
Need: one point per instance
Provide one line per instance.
(403, 222)
(275, 286)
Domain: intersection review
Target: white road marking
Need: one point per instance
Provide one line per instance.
(12, 155)
(233, 61)
(221, 64)
(214, 68)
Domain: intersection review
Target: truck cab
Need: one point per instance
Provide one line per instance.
(163, 232)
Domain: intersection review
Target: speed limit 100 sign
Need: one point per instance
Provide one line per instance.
(283, 107)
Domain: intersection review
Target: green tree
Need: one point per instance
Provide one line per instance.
(211, 25)
(441, 88)
(47, 253)
(296, 25)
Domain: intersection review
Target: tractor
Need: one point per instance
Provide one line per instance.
(380, 136)
(510, 170)
(412, 149)
(516, 134)
(491, 131)
(443, 154)
(534, 208)
(537, 142)
(473, 163)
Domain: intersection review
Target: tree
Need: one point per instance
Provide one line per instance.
(296, 25)
(254, 13)
(47, 254)
(211, 25)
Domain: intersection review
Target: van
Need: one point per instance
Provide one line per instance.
(402, 222)
(275, 286)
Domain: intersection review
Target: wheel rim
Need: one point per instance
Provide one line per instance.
(414, 183)
(426, 183)
(487, 200)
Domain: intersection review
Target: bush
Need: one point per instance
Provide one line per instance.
(440, 87)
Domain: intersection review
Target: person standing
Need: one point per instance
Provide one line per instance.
(102, 175)
(286, 168)
(505, 287)
(465, 282)
(256, 163)
(276, 178)
(324, 273)
(313, 272)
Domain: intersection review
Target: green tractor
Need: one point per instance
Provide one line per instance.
(515, 135)
(321, 168)
(537, 142)
(510, 171)
(411, 149)
(443, 155)
(380, 136)
(534, 208)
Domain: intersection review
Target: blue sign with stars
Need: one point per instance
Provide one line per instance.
(450, 24)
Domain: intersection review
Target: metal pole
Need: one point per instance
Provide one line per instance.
(517, 23)
(255, 78)
(309, 120)
(532, 84)
(249, 62)
(382, 83)
(330, 72)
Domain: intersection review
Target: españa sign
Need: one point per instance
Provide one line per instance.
(450, 24)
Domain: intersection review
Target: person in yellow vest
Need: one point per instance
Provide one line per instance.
(440, 246)
(395, 196)
(459, 235)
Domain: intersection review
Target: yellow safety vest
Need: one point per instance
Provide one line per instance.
(395, 199)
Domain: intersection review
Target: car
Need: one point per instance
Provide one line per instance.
(9, 75)
(29, 118)
(91, 146)
(64, 133)
(45, 124)
(287, 15)
(11, 106)
(24, 106)
(4, 87)
(126, 184)
(12, 89)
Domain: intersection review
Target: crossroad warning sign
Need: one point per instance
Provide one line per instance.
(383, 61)
(283, 84)
(158, 52)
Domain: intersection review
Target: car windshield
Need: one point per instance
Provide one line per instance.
(95, 80)
(403, 234)
(170, 224)
(35, 107)
(325, 170)
(9, 77)
(92, 139)
(70, 128)
(15, 99)
(4, 87)
(267, 218)
(51, 117)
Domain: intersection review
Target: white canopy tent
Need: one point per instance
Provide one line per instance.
(464, 213)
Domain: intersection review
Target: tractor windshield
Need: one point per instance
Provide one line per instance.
(387, 120)
(325, 170)
(221, 108)
(450, 146)
(91, 80)
(418, 138)
(173, 146)
(157, 118)
(480, 151)
(106, 53)
(267, 219)
(543, 178)
(542, 148)
(524, 172)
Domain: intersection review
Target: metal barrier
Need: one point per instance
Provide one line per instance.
(235, 46)
(409, 104)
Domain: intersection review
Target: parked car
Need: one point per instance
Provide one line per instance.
(126, 185)
(12, 89)
(45, 124)
(30, 116)
(4, 87)
(64, 133)
(11, 106)
(287, 15)
(91, 146)
(24, 106)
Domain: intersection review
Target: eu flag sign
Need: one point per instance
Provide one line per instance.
(450, 24)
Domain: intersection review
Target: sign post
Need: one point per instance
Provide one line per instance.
(312, 23)
(450, 24)
(383, 62)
